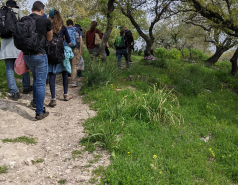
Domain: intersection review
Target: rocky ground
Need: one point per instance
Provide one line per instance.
(57, 157)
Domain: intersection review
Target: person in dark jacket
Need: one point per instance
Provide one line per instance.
(54, 69)
(121, 49)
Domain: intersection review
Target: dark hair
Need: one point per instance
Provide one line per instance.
(69, 22)
(93, 26)
(122, 32)
(57, 22)
(38, 6)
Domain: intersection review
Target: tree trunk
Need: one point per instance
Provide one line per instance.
(149, 44)
(213, 59)
(234, 63)
(108, 31)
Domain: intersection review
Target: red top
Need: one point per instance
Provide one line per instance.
(90, 38)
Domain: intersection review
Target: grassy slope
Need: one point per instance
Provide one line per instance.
(145, 152)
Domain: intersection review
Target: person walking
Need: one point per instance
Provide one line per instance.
(38, 61)
(9, 53)
(90, 41)
(130, 40)
(53, 69)
(120, 45)
(76, 45)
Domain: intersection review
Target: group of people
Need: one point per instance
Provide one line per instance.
(38, 62)
(42, 68)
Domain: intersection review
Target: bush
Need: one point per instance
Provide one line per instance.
(174, 54)
(225, 65)
(161, 53)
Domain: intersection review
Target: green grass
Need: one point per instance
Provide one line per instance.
(23, 139)
(37, 161)
(3, 80)
(3, 169)
(76, 154)
(148, 145)
(63, 181)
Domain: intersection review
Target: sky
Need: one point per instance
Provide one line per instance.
(32, 1)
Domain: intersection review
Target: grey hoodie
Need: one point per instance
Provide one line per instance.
(8, 49)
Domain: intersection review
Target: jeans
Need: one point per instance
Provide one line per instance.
(38, 64)
(52, 77)
(9, 65)
(120, 53)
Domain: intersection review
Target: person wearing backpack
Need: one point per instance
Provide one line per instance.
(130, 40)
(76, 44)
(35, 30)
(56, 65)
(120, 45)
(90, 40)
(9, 52)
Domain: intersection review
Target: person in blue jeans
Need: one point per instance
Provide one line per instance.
(9, 53)
(121, 49)
(38, 62)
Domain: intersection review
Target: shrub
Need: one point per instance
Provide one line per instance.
(225, 65)
(161, 53)
(174, 54)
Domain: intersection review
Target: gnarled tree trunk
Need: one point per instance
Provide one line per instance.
(219, 51)
(108, 31)
(234, 63)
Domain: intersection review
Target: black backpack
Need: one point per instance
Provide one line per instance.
(8, 22)
(26, 37)
(129, 36)
(55, 49)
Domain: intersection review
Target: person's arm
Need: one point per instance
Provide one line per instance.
(81, 44)
(133, 40)
(49, 32)
(49, 35)
(107, 45)
(67, 37)
(87, 39)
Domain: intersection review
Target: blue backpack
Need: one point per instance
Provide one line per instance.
(72, 34)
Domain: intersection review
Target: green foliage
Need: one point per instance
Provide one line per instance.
(23, 139)
(159, 152)
(174, 54)
(62, 181)
(3, 169)
(37, 161)
(160, 62)
(161, 53)
(97, 73)
(85, 25)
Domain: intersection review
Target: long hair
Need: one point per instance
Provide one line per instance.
(57, 22)
(93, 26)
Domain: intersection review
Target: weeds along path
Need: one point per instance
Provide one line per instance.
(57, 157)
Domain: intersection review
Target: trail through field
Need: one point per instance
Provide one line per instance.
(57, 157)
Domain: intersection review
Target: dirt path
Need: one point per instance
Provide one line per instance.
(57, 136)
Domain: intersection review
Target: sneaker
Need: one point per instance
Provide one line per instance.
(67, 97)
(26, 91)
(33, 104)
(75, 84)
(43, 115)
(15, 96)
(52, 103)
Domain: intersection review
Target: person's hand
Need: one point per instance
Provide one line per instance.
(70, 43)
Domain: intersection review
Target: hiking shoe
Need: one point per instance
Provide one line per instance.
(52, 103)
(67, 97)
(75, 84)
(26, 91)
(33, 104)
(15, 96)
(43, 115)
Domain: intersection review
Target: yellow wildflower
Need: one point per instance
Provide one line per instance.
(155, 156)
